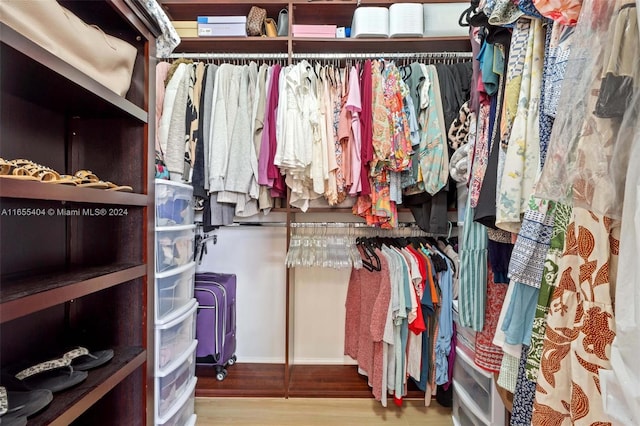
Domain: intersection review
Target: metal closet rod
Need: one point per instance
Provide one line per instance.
(229, 56)
(386, 55)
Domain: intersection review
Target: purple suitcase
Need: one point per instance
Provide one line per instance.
(216, 320)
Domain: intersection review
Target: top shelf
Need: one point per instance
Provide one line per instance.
(23, 62)
(335, 12)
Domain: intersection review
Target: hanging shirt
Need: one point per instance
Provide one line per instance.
(354, 106)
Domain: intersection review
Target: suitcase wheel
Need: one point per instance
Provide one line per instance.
(220, 376)
(232, 360)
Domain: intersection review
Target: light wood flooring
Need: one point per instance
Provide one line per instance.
(317, 412)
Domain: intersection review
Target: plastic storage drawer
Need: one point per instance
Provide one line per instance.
(466, 337)
(474, 383)
(182, 413)
(463, 413)
(175, 334)
(174, 203)
(370, 21)
(174, 246)
(172, 382)
(174, 289)
(441, 19)
(406, 20)
(192, 421)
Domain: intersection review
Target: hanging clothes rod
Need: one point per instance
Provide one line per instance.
(330, 56)
(229, 56)
(388, 55)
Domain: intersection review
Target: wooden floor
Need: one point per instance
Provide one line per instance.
(317, 411)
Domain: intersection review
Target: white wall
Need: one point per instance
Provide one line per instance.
(319, 315)
(256, 255)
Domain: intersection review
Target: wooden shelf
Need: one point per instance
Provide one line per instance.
(334, 381)
(243, 380)
(70, 404)
(23, 296)
(188, 10)
(67, 88)
(34, 190)
(233, 44)
(381, 45)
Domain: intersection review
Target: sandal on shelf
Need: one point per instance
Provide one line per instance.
(91, 360)
(89, 180)
(42, 173)
(11, 170)
(55, 374)
(66, 180)
(115, 187)
(16, 405)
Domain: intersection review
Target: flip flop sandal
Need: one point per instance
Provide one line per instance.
(91, 360)
(55, 374)
(115, 187)
(18, 404)
(52, 377)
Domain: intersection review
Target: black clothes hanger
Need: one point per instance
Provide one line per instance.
(405, 72)
(370, 261)
(465, 17)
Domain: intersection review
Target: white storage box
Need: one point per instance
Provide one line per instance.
(222, 26)
(174, 289)
(474, 383)
(406, 20)
(370, 21)
(441, 19)
(174, 203)
(175, 334)
(173, 381)
(182, 413)
(174, 246)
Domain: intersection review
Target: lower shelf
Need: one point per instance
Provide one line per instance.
(334, 381)
(243, 380)
(70, 404)
(306, 381)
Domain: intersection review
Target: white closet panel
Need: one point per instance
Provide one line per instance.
(256, 255)
(319, 316)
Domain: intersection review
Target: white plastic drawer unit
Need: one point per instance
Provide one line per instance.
(174, 289)
(182, 412)
(463, 415)
(477, 385)
(173, 381)
(174, 246)
(175, 334)
(174, 203)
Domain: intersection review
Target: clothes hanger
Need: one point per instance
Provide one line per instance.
(367, 260)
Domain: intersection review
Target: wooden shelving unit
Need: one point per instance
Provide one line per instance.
(80, 279)
(289, 380)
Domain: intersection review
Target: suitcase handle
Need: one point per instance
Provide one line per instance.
(233, 315)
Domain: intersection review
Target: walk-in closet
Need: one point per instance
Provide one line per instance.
(319, 212)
